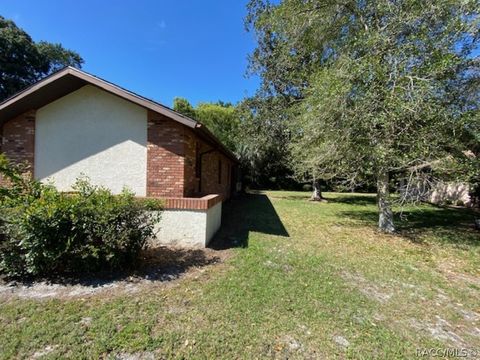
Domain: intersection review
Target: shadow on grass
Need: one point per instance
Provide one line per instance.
(362, 200)
(296, 197)
(154, 264)
(249, 212)
(453, 226)
(167, 263)
(347, 199)
(245, 213)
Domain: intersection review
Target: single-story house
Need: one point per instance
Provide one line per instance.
(72, 123)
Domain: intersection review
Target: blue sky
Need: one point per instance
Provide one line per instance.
(160, 49)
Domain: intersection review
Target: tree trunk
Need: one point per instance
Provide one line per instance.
(385, 214)
(317, 191)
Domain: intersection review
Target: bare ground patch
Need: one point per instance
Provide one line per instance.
(379, 292)
(454, 333)
(448, 270)
(441, 330)
(134, 356)
(288, 347)
(44, 352)
(158, 267)
(445, 320)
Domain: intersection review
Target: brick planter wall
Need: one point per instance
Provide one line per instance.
(189, 222)
(203, 203)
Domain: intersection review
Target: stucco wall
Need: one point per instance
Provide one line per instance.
(95, 133)
(214, 221)
(191, 228)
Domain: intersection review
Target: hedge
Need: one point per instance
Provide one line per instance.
(44, 232)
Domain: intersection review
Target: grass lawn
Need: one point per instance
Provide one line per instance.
(297, 280)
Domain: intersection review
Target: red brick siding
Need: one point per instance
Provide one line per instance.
(210, 183)
(18, 139)
(171, 157)
(165, 157)
(191, 182)
(203, 203)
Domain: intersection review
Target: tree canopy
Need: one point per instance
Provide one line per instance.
(23, 61)
(184, 107)
(220, 118)
(250, 130)
(375, 89)
(263, 143)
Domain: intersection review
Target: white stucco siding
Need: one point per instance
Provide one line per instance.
(181, 228)
(94, 133)
(214, 221)
(190, 228)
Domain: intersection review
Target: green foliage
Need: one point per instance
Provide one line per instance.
(220, 118)
(183, 106)
(375, 88)
(45, 232)
(253, 131)
(22, 61)
(263, 143)
(57, 57)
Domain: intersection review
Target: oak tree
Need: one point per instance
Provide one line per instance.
(378, 85)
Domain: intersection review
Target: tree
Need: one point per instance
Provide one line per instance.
(23, 62)
(220, 118)
(375, 94)
(262, 144)
(252, 131)
(182, 106)
(56, 57)
(223, 120)
(285, 69)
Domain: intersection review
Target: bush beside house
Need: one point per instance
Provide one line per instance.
(45, 232)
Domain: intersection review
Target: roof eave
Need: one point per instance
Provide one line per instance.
(86, 78)
(206, 133)
(102, 84)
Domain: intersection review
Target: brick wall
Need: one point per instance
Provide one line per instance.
(172, 151)
(191, 181)
(165, 157)
(18, 139)
(208, 184)
(212, 183)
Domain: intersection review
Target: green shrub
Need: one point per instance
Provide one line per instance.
(44, 232)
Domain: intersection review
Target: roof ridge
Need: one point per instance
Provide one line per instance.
(130, 92)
